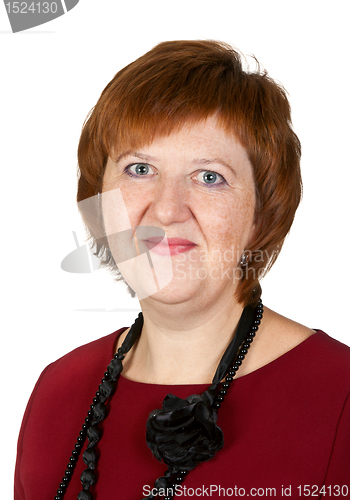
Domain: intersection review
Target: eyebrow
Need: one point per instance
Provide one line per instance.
(138, 155)
(196, 161)
(204, 161)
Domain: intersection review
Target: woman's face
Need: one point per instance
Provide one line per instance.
(197, 185)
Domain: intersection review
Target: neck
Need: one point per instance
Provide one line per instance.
(180, 344)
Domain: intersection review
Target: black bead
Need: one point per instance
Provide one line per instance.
(99, 412)
(115, 367)
(223, 392)
(162, 482)
(94, 434)
(78, 446)
(238, 362)
(220, 398)
(119, 356)
(107, 389)
(59, 492)
(95, 400)
(88, 478)
(70, 466)
(68, 472)
(244, 351)
(249, 339)
(65, 479)
(73, 459)
(229, 379)
(79, 439)
(254, 328)
(179, 479)
(85, 495)
(90, 457)
(246, 345)
(63, 486)
(58, 497)
(216, 405)
(225, 385)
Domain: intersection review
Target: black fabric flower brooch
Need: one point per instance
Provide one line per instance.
(184, 432)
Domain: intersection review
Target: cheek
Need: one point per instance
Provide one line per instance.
(116, 217)
(136, 202)
(229, 223)
(122, 206)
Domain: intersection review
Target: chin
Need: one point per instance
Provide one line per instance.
(176, 292)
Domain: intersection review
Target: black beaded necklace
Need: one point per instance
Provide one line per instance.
(181, 434)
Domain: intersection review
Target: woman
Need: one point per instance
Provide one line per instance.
(189, 182)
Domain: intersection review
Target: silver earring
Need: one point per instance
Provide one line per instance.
(244, 259)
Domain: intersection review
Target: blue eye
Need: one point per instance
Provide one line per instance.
(210, 178)
(141, 169)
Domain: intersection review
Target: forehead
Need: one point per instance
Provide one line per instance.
(207, 136)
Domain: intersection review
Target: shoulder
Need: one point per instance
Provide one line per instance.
(315, 351)
(329, 360)
(320, 355)
(332, 348)
(92, 355)
(71, 382)
(60, 400)
(288, 334)
(84, 365)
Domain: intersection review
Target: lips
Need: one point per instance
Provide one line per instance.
(156, 240)
(174, 246)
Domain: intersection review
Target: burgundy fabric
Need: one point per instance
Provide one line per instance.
(285, 425)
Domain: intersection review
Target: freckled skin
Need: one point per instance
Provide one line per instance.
(175, 197)
(189, 323)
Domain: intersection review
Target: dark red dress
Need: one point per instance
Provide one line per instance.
(286, 428)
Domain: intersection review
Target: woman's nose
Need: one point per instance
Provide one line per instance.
(169, 203)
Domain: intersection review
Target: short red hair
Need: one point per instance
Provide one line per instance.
(187, 81)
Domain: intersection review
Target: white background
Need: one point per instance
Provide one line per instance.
(52, 75)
